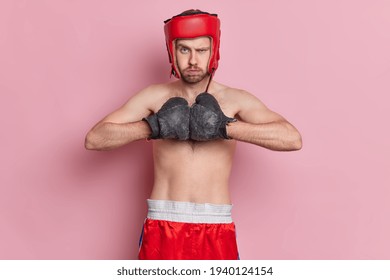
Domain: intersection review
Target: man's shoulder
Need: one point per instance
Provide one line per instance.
(157, 88)
(231, 92)
(154, 92)
(153, 96)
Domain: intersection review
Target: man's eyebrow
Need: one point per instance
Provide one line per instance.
(185, 46)
(182, 45)
(203, 48)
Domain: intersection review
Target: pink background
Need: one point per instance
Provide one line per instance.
(324, 65)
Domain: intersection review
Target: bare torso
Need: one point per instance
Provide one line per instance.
(189, 170)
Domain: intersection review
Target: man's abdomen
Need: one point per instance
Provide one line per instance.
(192, 172)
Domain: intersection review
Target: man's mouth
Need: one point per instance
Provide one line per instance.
(193, 71)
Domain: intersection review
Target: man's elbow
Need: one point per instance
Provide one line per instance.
(297, 145)
(296, 142)
(293, 139)
(88, 145)
(90, 142)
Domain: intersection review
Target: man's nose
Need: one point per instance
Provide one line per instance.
(193, 59)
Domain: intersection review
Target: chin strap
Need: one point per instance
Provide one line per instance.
(211, 77)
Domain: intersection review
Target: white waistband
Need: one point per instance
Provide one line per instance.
(189, 212)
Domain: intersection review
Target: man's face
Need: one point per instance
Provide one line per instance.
(192, 58)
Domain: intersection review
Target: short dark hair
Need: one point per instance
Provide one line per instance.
(189, 13)
(192, 12)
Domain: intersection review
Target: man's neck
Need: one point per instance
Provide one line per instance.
(192, 90)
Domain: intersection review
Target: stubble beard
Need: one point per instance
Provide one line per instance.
(192, 78)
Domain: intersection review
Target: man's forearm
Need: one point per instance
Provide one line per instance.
(277, 136)
(107, 135)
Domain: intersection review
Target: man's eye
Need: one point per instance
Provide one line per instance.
(184, 50)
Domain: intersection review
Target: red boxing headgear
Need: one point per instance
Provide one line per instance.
(187, 26)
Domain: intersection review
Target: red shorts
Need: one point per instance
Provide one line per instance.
(188, 231)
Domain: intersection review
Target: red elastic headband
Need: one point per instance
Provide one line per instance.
(192, 26)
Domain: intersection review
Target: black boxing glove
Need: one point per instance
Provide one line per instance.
(171, 121)
(207, 121)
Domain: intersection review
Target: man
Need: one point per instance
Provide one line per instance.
(194, 123)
